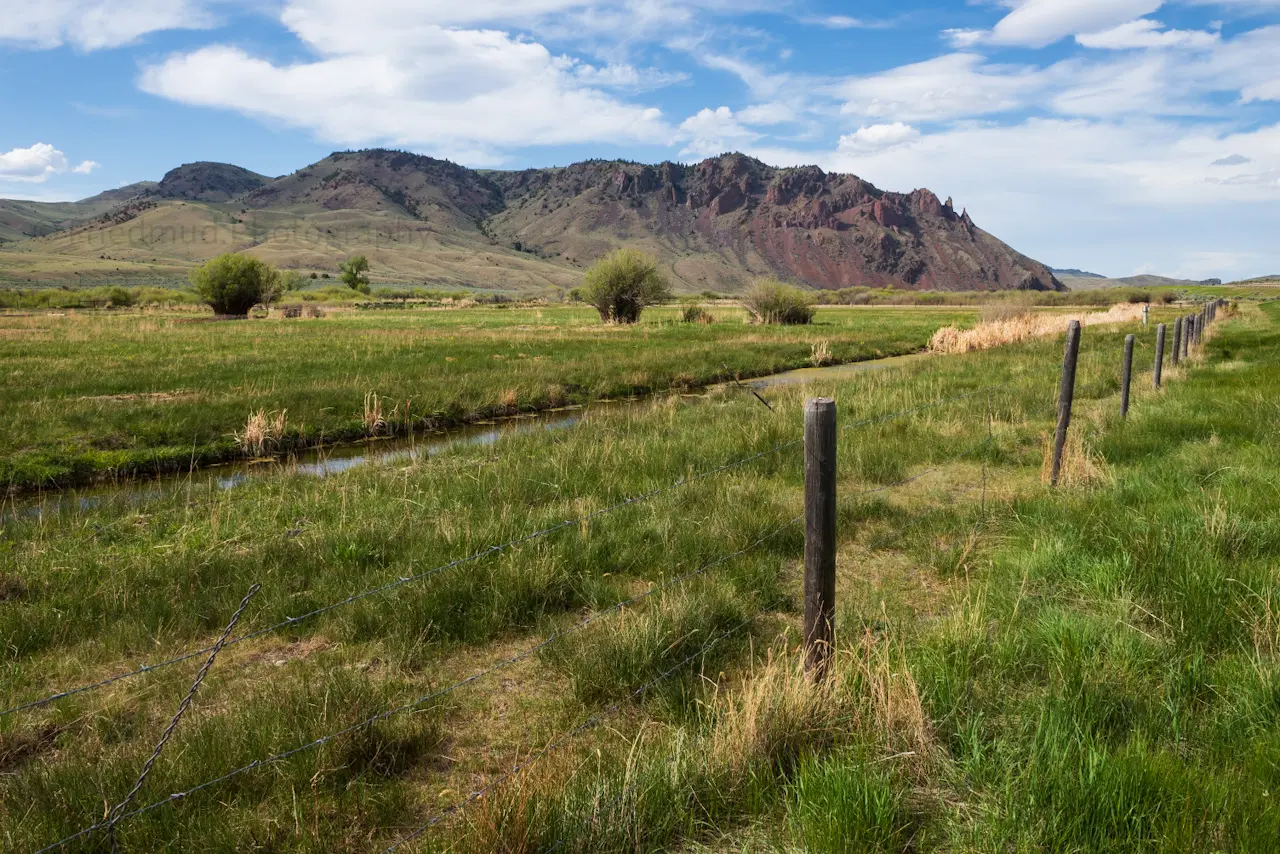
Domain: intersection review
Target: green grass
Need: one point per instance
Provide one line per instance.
(1086, 669)
(136, 393)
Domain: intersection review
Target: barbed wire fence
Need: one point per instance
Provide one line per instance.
(823, 482)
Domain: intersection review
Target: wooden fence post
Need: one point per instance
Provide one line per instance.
(1186, 336)
(1146, 315)
(819, 534)
(1066, 395)
(1177, 342)
(1126, 375)
(1159, 369)
(1192, 331)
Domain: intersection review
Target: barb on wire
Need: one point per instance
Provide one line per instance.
(118, 809)
(565, 737)
(400, 582)
(421, 701)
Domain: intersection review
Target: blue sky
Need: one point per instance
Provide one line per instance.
(1122, 136)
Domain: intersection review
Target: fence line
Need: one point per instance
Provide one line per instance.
(471, 558)
(498, 666)
(401, 582)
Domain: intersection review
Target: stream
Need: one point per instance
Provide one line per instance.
(336, 459)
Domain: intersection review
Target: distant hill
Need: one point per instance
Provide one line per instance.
(1076, 274)
(1092, 282)
(207, 182)
(716, 224)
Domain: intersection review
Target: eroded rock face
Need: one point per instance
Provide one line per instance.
(827, 230)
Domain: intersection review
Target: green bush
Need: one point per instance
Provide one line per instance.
(233, 283)
(623, 284)
(694, 313)
(771, 301)
(120, 297)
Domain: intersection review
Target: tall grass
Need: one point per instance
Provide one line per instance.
(1088, 668)
(97, 395)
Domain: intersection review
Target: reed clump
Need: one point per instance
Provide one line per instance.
(263, 432)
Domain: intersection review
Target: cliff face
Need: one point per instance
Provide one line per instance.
(828, 230)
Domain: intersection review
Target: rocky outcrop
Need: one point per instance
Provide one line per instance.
(827, 230)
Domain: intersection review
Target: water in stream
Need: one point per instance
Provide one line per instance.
(322, 462)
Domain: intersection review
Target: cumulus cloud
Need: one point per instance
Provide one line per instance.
(453, 91)
(97, 24)
(39, 163)
(874, 138)
(711, 132)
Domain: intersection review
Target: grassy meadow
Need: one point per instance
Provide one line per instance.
(1092, 668)
(87, 394)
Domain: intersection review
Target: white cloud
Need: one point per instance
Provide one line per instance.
(37, 164)
(626, 77)
(97, 24)
(1146, 33)
(873, 138)
(461, 93)
(840, 22)
(964, 39)
(1039, 23)
(952, 86)
(712, 132)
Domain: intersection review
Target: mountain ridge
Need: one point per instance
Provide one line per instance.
(715, 224)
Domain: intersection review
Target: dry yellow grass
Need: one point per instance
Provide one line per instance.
(262, 432)
(1010, 330)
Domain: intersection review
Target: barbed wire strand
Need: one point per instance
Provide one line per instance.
(435, 695)
(350, 600)
(119, 808)
(400, 582)
(565, 737)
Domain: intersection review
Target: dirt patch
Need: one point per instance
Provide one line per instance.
(282, 655)
(19, 748)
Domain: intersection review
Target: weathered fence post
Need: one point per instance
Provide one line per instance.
(819, 534)
(1066, 395)
(1192, 331)
(1186, 336)
(1177, 342)
(1146, 315)
(1158, 375)
(1126, 375)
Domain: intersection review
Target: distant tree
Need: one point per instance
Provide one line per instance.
(623, 284)
(234, 283)
(353, 273)
(313, 275)
(291, 280)
(120, 297)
